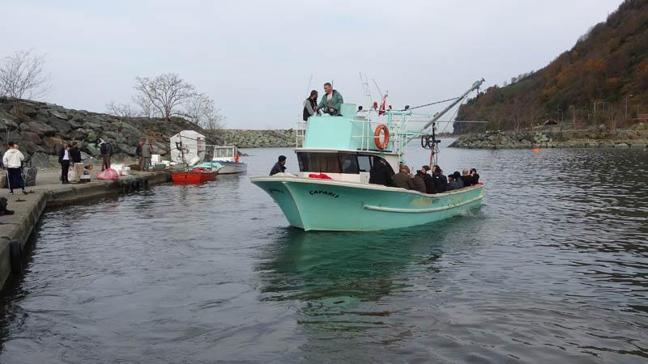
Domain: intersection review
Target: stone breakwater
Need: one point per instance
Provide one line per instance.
(249, 138)
(41, 128)
(556, 138)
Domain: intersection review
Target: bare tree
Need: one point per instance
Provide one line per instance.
(22, 75)
(201, 110)
(165, 93)
(123, 110)
(145, 107)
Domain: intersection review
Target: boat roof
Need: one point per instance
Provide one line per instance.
(342, 133)
(331, 150)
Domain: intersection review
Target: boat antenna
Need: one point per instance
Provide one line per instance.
(365, 88)
(377, 88)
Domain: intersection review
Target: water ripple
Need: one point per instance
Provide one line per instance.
(553, 267)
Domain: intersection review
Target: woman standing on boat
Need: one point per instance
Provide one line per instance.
(310, 105)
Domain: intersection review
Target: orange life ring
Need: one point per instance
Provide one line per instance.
(381, 144)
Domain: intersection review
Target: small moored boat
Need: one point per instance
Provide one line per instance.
(230, 159)
(196, 175)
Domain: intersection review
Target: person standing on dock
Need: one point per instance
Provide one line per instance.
(144, 151)
(64, 160)
(280, 166)
(331, 101)
(106, 151)
(77, 166)
(12, 160)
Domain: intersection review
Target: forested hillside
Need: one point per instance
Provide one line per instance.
(602, 79)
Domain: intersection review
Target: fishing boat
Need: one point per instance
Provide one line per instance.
(339, 158)
(230, 160)
(195, 175)
(187, 150)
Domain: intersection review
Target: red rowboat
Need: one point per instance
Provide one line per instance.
(195, 176)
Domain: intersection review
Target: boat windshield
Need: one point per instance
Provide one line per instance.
(223, 152)
(335, 162)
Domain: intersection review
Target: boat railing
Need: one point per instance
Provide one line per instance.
(300, 134)
(396, 122)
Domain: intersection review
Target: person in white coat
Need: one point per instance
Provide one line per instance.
(12, 160)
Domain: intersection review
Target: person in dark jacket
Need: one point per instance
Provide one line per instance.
(403, 178)
(310, 105)
(467, 178)
(439, 181)
(64, 159)
(77, 166)
(475, 176)
(280, 166)
(418, 182)
(106, 151)
(429, 181)
(381, 172)
(454, 181)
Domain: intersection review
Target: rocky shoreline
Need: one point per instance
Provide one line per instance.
(41, 128)
(252, 138)
(556, 138)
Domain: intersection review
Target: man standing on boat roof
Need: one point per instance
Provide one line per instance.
(332, 100)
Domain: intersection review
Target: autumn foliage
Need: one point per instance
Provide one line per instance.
(603, 78)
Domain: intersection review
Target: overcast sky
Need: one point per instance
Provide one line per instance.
(255, 58)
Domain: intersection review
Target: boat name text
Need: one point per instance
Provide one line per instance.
(322, 192)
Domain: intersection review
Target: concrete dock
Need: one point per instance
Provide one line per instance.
(16, 229)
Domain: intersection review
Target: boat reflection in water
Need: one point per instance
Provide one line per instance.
(343, 281)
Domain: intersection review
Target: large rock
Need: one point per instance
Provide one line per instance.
(38, 128)
(28, 136)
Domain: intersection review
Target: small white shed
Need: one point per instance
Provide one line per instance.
(191, 143)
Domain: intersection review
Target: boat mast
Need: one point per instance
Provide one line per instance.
(438, 115)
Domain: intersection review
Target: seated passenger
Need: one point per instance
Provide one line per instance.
(454, 181)
(439, 181)
(475, 176)
(467, 178)
(403, 178)
(310, 105)
(381, 172)
(331, 102)
(418, 182)
(429, 181)
(280, 166)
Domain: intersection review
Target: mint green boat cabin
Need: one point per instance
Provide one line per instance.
(332, 190)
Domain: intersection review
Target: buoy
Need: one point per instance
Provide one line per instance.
(536, 150)
(381, 129)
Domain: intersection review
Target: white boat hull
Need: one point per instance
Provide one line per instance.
(232, 168)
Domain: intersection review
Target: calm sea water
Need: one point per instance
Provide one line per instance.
(552, 268)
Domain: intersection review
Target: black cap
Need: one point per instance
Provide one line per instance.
(282, 158)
